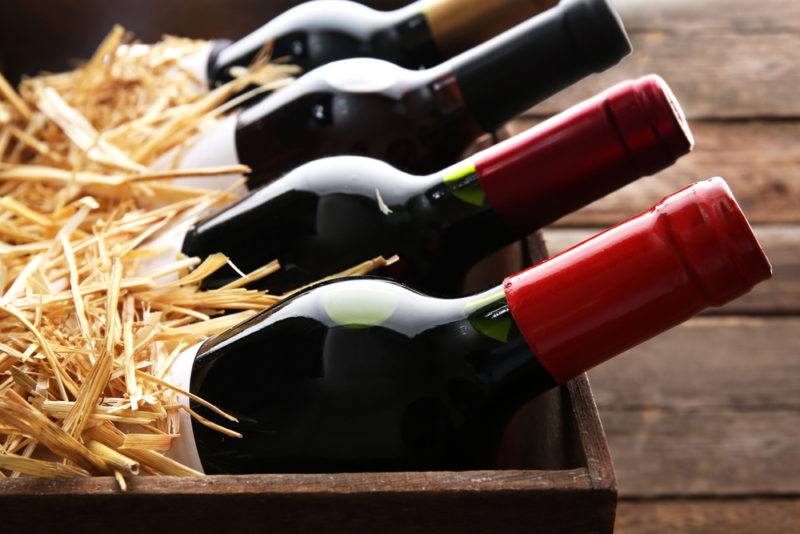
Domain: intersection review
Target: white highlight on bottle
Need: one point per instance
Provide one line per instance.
(214, 148)
(184, 448)
(165, 247)
(363, 75)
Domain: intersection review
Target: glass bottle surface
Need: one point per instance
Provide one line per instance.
(364, 374)
(405, 118)
(418, 35)
(333, 213)
(421, 121)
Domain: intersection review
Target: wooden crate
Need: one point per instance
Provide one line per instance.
(557, 476)
(570, 487)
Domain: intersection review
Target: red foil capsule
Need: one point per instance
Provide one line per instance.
(631, 130)
(693, 250)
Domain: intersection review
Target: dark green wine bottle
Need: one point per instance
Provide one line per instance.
(331, 214)
(419, 35)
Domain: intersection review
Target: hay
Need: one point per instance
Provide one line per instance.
(86, 335)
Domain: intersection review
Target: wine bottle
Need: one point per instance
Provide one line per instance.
(419, 35)
(330, 214)
(419, 121)
(365, 374)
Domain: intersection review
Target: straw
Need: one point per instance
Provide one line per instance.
(89, 334)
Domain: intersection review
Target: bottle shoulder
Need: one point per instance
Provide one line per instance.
(339, 16)
(345, 16)
(353, 175)
(354, 76)
(358, 302)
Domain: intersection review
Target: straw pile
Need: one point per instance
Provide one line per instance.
(87, 337)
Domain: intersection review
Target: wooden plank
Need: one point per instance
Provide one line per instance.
(740, 363)
(592, 436)
(742, 516)
(304, 514)
(759, 159)
(780, 295)
(709, 452)
(711, 407)
(314, 484)
(723, 58)
(360, 503)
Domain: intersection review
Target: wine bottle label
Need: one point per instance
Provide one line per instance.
(347, 306)
(463, 183)
(184, 449)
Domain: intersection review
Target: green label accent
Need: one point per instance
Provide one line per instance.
(457, 172)
(352, 307)
(474, 305)
(494, 328)
(469, 191)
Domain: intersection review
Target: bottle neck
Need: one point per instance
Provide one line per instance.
(628, 131)
(417, 35)
(508, 74)
(468, 227)
(506, 366)
(457, 185)
(458, 25)
(489, 314)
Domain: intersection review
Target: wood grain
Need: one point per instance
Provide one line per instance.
(314, 484)
(711, 407)
(760, 160)
(742, 516)
(736, 363)
(723, 58)
(512, 511)
(711, 452)
(707, 413)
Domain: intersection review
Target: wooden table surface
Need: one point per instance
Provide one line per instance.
(703, 422)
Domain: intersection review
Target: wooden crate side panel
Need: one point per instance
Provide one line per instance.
(561, 511)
